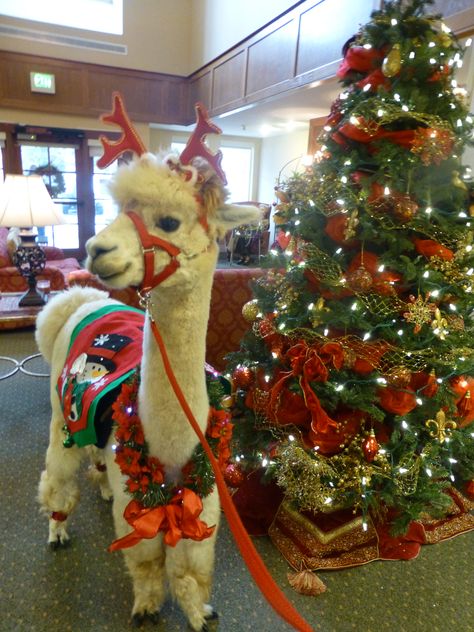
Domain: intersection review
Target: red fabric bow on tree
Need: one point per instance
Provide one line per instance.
(309, 365)
(359, 59)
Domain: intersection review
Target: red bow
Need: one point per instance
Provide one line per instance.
(179, 519)
(307, 363)
(359, 59)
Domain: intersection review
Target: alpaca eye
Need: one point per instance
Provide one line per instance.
(168, 224)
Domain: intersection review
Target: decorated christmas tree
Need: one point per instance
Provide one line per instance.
(355, 386)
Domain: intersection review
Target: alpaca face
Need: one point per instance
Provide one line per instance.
(187, 215)
(169, 209)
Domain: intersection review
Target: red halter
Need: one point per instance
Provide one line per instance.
(149, 244)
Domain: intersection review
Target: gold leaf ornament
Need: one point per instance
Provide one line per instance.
(393, 62)
(442, 427)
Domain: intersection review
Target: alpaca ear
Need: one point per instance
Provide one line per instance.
(232, 215)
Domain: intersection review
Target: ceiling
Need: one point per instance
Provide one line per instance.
(278, 115)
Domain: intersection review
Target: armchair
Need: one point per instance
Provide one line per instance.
(250, 242)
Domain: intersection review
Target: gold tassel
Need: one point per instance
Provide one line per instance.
(306, 583)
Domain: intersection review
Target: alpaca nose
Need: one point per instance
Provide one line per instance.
(95, 249)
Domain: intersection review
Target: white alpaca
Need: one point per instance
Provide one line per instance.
(190, 214)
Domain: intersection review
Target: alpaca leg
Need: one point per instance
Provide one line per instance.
(190, 567)
(97, 472)
(58, 491)
(148, 583)
(145, 560)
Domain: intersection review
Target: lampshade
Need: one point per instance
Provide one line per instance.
(25, 202)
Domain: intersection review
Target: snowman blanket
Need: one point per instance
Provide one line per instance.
(105, 349)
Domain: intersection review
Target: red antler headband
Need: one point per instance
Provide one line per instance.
(130, 140)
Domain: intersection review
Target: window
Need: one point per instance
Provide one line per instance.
(237, 163)
(238, 166)
(57, 166)
(105, 16)
(105, 207)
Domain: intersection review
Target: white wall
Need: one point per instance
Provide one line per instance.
(170, 36)
(276, 152)
(217, 25)
(156, 32)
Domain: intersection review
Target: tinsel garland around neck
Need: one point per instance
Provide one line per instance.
(146, 475)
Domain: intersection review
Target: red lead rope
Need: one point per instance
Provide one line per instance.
(254, 562)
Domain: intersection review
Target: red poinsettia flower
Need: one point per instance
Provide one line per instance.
(218, 423)
(128, 460)
(130, 429)
(156, 470)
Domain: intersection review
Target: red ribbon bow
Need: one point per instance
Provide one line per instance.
(310, 365)
(179, 519)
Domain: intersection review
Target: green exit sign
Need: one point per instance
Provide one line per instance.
(42, 82)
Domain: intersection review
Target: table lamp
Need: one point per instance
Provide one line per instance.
(25, 203)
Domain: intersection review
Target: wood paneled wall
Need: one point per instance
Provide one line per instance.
(300, 47)
(85, 89)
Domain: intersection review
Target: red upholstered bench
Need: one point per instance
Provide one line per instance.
(230, 291)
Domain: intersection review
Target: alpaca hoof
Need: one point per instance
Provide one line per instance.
(139, 618)
(154, 617)
(59, 543)
(107, 495)
(212, 616)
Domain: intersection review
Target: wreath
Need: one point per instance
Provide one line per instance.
(53, 179)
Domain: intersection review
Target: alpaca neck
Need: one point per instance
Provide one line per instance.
(181, 318)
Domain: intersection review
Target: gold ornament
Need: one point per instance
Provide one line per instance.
(227, 402)
(360, 280)
(250, 311)
(351, 225)
(457, 182)
(399, 376)
(444, 39)
(442, 427)
(438, 325)
(419, 312)
(432, 144)
(406, 475)
(455, 322)
(393, 61)
(405, 208)
(316, 312)
(350, 357)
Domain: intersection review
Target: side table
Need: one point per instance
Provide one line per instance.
(12, 316)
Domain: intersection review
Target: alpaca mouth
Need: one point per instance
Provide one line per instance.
(109, 275)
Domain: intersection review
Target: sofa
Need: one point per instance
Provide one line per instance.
(56, 270)
(230, 291)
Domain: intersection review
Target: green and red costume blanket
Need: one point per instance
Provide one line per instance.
(105, 349)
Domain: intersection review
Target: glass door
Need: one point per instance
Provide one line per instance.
(56, 164)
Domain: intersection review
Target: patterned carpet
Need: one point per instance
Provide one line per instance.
(85, 589)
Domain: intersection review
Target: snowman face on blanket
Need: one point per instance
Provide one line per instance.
(88, 369)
